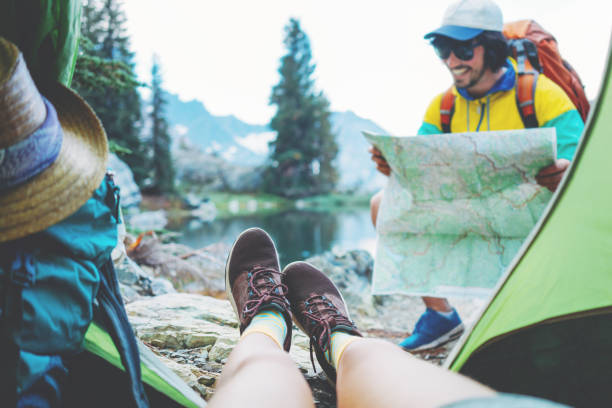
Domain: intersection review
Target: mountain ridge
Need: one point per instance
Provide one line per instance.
(243, 143)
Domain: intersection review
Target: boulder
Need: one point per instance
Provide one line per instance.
(189, 270)
(198, 333)
(130, 193)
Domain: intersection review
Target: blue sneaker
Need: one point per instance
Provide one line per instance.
(432, 330)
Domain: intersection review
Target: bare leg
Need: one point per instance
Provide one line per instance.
(437, 304)
(374, 205)
(259, 374)
(376, 373)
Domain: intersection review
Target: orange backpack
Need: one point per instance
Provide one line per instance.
(535, 51)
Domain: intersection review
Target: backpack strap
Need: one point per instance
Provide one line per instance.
(447, 109)
(525, 54)
(8, 373)
(525, 91)
(522, 50)
(112, 314)
(20, 274)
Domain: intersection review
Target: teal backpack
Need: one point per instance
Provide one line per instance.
(52, 285)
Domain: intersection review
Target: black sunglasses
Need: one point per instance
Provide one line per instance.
(464, 50)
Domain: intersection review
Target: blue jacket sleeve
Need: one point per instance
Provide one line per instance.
(569, 127)
(428, 129)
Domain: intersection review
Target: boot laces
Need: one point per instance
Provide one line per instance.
(262, 290)
(324, 315)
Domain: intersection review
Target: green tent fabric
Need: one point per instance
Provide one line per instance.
(47, 33)
(154, 372)
(547, 330)
(97, 378)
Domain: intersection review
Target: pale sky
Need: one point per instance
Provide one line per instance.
(370, 54)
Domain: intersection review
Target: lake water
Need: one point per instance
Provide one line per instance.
(301, 234)
(297, 234)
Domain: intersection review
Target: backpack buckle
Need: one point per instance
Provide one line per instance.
(113, 195)
(22, 270)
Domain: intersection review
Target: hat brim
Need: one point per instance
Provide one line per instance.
(455, 32)
(62, 188)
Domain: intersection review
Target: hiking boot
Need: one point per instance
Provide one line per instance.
(253, 279)
(318, 309)
(432, 330)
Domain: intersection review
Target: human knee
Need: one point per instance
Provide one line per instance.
(365, 353)
(267, 360)
(247, 365)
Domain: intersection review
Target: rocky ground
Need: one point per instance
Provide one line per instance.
(175, 299)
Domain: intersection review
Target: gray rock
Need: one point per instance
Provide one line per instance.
(161, 286)
(130, 193)
(343, 269)
(208, 379)
(189, 374)
(222, 349)
(133, 277)
(189, 271)
(180, 321)
(148, 220)
(128, 294)
(128, 272)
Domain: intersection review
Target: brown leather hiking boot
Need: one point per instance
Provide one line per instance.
(253, 279)
(318, 308)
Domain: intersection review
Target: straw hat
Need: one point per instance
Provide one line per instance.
(46, 172)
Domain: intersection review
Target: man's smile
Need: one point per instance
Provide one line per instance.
(459, 70)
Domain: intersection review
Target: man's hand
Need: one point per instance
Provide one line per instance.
(381, 162)
(550, 176)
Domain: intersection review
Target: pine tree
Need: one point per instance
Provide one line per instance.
(163, 170)
(105, 77)
(303, 153)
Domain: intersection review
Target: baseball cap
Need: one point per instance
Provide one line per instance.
(465, 19)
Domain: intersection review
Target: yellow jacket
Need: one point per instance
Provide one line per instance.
(498, 111)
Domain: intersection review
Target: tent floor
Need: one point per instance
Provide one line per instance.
(93, 382)
(565, 361)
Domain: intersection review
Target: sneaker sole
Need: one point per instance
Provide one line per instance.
(295, 321)
(440, 341)
(228, 289)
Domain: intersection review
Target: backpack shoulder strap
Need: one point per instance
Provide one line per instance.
(526, 82)
(112, 314)
(525, 95)
(19, 275)
(447, 109)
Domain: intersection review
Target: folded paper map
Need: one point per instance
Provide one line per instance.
(457, 208)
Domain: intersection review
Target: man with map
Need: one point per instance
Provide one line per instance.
(471, 45)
